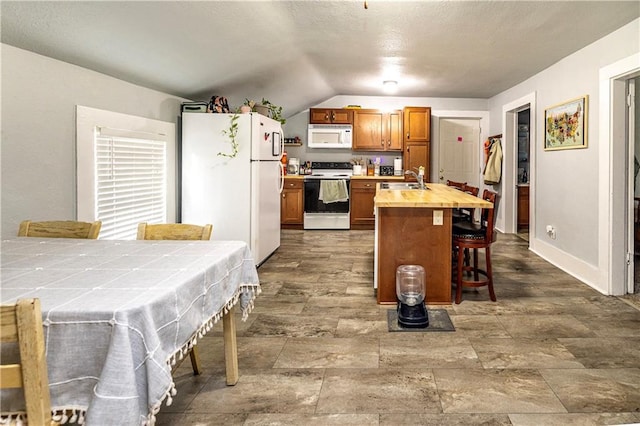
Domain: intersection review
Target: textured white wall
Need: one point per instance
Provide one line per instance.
(39, 96)
(567, 181)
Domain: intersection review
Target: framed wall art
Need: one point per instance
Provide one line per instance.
(565, 124)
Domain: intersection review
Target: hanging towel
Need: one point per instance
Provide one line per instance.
(493, 169)
(333, 191)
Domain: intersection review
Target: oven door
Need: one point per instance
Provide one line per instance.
(312, 203)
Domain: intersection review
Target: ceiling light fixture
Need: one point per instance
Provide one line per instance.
(390, 86)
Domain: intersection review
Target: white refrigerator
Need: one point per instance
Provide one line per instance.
(239, 195)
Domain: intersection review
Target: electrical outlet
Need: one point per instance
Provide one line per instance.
(438, 218)
(551, 232)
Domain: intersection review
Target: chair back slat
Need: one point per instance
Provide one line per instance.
(173, 231)
(60, 229)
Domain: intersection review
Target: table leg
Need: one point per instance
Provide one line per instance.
(230, 346)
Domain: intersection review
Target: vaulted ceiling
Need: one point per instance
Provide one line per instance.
(299, 53)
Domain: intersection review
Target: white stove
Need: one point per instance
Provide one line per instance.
(320, 213)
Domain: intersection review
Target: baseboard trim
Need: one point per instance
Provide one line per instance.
(573, 266)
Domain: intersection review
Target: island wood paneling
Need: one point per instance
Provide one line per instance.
(407, 236)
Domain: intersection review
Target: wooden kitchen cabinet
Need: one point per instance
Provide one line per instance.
(363, 192)
(416, 155)
(417, 124)
(417, 139)
(523, 207)
(375, 130)
(330, 116)
(292, 204)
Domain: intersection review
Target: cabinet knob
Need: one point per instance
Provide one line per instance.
(407, 135)
(326, 117)
(368, 185)
(333, 116)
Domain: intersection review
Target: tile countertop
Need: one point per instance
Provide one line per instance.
(437, 196)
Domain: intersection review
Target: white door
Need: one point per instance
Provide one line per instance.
(265, 209)
(459, 151)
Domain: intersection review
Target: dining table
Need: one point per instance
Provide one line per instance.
(118, 315)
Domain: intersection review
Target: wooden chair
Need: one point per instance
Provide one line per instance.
(177, 231)
(60, 229)
(22, 324)
(472, 236)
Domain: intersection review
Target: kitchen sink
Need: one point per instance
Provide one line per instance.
(399, 185)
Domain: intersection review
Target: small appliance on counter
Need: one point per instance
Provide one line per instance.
(294, 166)
(386, 170)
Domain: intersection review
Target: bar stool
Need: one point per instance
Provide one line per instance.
(456, 214)
(471, 236)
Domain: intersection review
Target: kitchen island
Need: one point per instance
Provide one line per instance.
(413, 227)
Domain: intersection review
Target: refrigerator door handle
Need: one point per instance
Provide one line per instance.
(277, 144)
(281, 177)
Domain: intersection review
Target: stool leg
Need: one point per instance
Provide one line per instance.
(459, 276)
(475, 264)
(492, 294)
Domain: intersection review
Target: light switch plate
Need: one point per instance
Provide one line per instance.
(438, 217)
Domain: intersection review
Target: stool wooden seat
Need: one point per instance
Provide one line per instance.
(469, 236)
(177, 231)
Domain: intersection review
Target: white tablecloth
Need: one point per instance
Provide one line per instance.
(118, 313)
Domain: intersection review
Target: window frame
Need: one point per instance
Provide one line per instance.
(88, 121)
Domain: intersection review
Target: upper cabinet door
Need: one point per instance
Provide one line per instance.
(375, 130)
(368, 130)
(330, 116)
(394, 141)
(417, 124)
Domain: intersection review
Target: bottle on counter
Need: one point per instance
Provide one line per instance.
(370, 169)
(284, 161)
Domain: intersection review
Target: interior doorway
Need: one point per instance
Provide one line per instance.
(524, 171)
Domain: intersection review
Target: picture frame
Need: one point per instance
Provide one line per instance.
(565, 124)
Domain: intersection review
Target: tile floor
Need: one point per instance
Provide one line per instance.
(316, 350)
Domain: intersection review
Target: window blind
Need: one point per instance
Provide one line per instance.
(130, 183)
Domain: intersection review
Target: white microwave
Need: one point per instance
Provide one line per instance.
(330, 136)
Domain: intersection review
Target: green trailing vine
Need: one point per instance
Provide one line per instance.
(232, 132)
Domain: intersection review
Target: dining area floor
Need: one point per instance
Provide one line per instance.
(317, 349)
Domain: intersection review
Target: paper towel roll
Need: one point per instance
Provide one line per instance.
(397, 166)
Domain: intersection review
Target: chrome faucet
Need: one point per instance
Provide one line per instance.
(418, 176)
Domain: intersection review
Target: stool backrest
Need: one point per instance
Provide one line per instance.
(456, 185)
(488, 216)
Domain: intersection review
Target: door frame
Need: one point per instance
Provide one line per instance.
(509, 203)
(483, 116)
(612, 188)
(631, 155)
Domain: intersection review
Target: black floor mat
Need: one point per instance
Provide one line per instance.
(438, 321)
